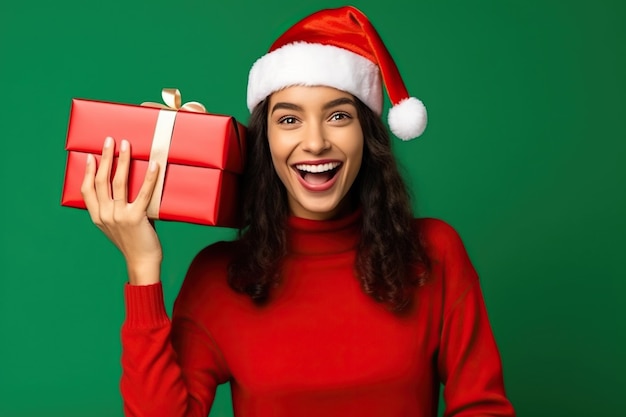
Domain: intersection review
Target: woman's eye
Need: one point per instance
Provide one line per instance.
(288, 120)
(336, 117)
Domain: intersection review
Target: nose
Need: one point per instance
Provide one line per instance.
(314, 139)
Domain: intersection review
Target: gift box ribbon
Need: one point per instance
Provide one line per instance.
(162, 138)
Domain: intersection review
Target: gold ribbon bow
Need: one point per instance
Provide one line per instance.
(172, 99)
(163, 136)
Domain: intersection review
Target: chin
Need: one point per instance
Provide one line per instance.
(323, 210)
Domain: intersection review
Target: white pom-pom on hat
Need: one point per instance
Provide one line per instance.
(338, 48)
(407, 119)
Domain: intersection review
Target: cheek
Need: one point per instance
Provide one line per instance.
(278, 144)
(357, 165)
(279, 160)
(274, 147)
(355, 154)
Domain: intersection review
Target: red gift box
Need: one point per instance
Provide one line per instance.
(204, 160)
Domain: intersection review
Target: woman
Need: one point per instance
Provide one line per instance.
(333, 301)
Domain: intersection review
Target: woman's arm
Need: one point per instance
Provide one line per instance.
(469, 362)
(167, 370)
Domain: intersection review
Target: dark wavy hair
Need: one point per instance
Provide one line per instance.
(390, 260)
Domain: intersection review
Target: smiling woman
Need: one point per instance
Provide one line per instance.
(333, 301)
(369, 183)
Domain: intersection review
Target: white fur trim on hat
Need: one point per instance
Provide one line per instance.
(311, 64)
(407, 119)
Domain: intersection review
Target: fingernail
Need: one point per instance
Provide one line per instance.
(152, 166)
(124, 146)
(108, 141)
(89, 158)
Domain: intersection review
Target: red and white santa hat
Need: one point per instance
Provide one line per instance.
(338, 48)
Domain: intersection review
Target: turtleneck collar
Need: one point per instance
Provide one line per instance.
(323, 237)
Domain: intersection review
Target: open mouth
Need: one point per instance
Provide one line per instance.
(318, 174)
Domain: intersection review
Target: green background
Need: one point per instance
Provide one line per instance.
(524, 155)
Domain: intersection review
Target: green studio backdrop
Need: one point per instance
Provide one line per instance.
(524, 156)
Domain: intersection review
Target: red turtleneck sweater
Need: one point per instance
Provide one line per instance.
(321, 347)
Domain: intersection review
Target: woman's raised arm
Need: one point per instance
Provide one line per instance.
(167, 371)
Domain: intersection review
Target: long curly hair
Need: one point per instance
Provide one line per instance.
(390, 260)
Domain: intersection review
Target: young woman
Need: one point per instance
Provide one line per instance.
(333, 301)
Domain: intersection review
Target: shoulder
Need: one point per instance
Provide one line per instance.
(450, 265)
(207, 275)
(438, 237)
(216, 255)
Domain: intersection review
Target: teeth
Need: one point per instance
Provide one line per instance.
(317, 168)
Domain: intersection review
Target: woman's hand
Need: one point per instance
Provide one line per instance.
(125, 224)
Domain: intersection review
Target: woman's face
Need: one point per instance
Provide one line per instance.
(316, 142)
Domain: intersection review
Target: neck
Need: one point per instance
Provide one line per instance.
(319, 237)
(345, 207)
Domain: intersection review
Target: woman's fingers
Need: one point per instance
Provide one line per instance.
(147, 188)
(88, 190)
(120, 179)
(103, 175)
(106, 200)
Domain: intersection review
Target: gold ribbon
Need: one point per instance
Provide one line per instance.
(163, 136)
(172, 99)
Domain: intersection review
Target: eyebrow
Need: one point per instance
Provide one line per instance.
(329, 105)
(286, 106)
(338, 102)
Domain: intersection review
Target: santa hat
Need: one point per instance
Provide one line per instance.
(338, 48)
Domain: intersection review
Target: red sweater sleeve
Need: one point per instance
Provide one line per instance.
(469, 362)
(169, 369)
